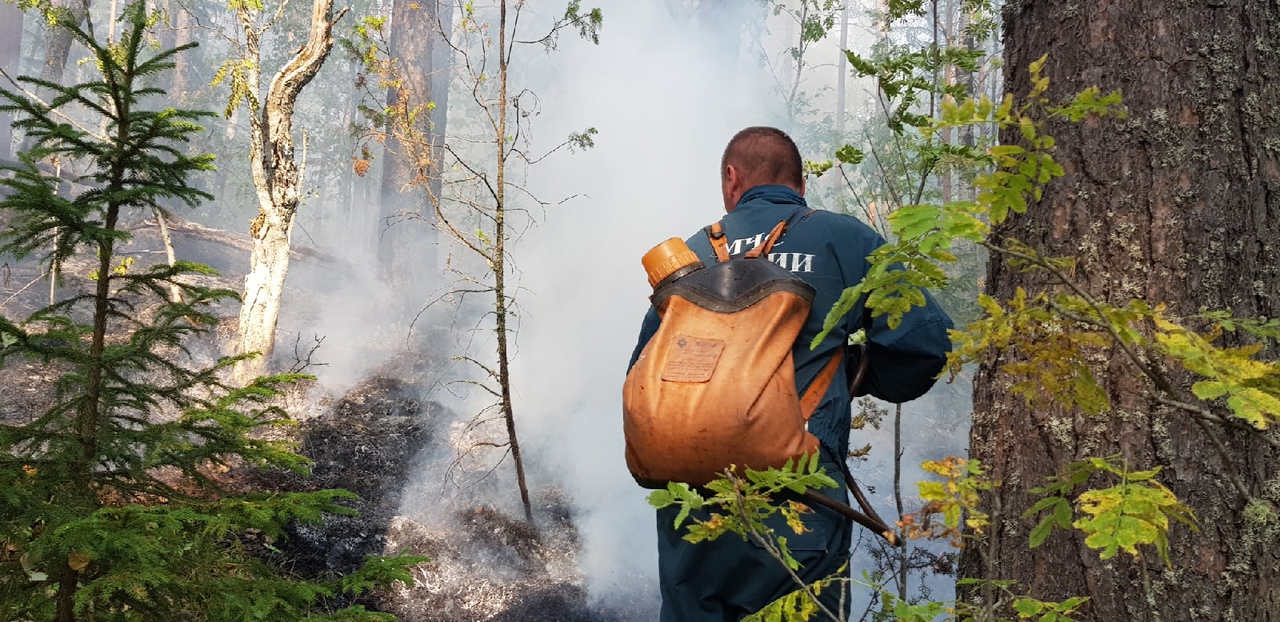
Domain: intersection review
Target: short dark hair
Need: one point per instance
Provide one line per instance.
(764, 155)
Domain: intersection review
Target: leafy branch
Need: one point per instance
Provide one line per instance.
(744, 503)
(1134, 512)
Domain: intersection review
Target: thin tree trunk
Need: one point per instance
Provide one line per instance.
(842, 68)
(111, 23)
(57, 44)
(963, 76)
(500, 265)
(900, 577)
(175, 293)
(58, 40)
(948, 78)
(1179, 204)
(65, 602)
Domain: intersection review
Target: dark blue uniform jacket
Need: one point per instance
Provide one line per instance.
(728, 578)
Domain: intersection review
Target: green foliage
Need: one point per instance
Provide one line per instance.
(1251, 386)
(927, 234)
(583, 140)
(815, 18)
(1053, 366)
(905, 77)
(1031, 608)
(741, 504)
(111, 507)
(237, 72)
(799, 605)
(587, 24)
(1055, 334)
(745, 501)
(1134, 512)
(1025, 607)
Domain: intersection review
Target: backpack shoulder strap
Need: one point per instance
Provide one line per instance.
(719, 243)
(818, 388)
(775, 234)
(767, 245)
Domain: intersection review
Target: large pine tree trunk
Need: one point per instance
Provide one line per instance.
(10, 59)
(413, 151)
(57, 46)
(1181, 204)
(58, 41)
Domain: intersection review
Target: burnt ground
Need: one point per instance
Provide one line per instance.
(485, 565)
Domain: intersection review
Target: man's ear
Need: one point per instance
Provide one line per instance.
(731, 175)
(730, 180)
(802, 185)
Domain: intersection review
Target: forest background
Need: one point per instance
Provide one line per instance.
(648, 107)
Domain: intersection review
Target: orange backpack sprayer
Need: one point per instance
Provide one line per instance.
(715, 385)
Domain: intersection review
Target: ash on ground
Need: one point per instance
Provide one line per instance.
(485, 565)
(488, 566)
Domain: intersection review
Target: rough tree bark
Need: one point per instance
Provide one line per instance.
(57, 42)
(276, 178)
(1180, 204)
(57, 45)
(10, 60)
(182, 31)
(414, 149)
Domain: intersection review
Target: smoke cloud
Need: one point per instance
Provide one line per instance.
(665, 103)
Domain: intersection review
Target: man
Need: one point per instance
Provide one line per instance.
(762, 181)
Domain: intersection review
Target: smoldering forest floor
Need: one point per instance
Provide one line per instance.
(376, 438)
(486, 564)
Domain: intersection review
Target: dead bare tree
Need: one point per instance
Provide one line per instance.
(479, 195)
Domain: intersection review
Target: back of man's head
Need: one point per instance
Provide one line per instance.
(764, 155)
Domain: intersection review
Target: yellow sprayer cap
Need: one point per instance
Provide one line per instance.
(664, 259)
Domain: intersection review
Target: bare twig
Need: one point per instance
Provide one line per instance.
(302, 361)
(24, 288)
(1227, 463)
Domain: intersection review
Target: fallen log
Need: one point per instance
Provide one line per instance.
(181, 228)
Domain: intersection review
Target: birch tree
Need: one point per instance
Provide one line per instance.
(275, 168)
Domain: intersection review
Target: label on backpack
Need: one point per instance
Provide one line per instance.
(693, 359)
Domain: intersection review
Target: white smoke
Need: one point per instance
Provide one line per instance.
(664, 104)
